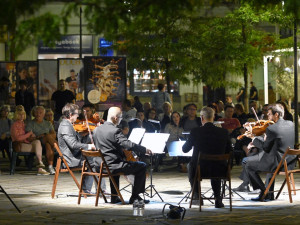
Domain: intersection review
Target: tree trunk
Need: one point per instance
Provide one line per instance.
(168, 76)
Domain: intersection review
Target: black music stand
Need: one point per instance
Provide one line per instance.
(12, 202)
(157, 147)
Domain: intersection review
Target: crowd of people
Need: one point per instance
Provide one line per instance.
(216, 131)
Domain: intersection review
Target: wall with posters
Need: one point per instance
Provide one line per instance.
(8, 81)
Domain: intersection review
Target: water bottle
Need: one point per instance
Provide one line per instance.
(135, 207)
(141, 207)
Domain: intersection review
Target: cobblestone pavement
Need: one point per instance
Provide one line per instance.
(31, 193)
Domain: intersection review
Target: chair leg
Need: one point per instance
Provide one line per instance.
(230, 194)
(81, 181)
(293, 183)
(269, 185)
(13, 163)
(199, 193)
(281, 188)
(58, 165)
(288, 183)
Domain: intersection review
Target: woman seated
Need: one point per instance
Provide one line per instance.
(26, 142)
(44, 131)
(173, 128)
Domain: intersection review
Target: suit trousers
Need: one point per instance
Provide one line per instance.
(138, 169)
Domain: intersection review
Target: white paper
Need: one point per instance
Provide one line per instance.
(175, 149)
(156, 142)
(136, 135)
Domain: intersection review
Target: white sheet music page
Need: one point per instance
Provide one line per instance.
(156, 142)
(136, 135)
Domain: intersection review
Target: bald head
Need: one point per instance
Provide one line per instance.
(114, 115)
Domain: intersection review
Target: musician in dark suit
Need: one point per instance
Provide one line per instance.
(110, 140)
(277, 139)
(70, 143)
(212, 140)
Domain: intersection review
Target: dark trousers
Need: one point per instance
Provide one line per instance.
(4, 146)
(215, 183)
(251, 170)
(138, 169)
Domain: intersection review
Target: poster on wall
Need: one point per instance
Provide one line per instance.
(28, 70)
(8, 81)
(47, 81)
(105, 81)
(71, 70)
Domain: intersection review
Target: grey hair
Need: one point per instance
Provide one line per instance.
(207, 112)
(277, 108)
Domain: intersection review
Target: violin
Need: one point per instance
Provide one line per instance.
(81, 125)
(256, 128)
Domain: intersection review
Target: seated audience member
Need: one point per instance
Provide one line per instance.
(152, 118)
(5, 125)
(44, 131)
(215, 108)
(191, 121)
(239, 113)
(208, 139)
(70, 144)
(26, 142)
(49, 116)
(173, 128)
(127, 111)
(141, 122)
(137, 104)
(147, 106)
(165, 117)
(263, 115)
(220, 108)
(229, 123)
(287, 114)
(124, 127)
(110, 139)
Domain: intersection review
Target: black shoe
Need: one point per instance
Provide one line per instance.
(219, 203)
(269, 197)
(131, 200)
(115, 200)
(242, 188)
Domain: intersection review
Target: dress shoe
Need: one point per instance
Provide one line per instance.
(269, 197)
(115, 200)
(242, 188)
(131, 200)
(219, 203)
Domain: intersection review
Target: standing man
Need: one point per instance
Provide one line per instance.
(70, 143)
(212, 140)
(159, 98)
(60, 98)
(253, 92)
(240, 95)
(25, 98)
(277, 139)
(110, 139)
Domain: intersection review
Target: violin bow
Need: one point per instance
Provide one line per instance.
(88, 126)
(253, 110)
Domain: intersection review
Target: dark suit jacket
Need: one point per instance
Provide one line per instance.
(110, 140)
(28, 101)
(208, 139)
(70, 143)
(279, 136)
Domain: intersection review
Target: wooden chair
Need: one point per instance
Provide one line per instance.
(289, 175)
(104, 172)
(227, 177)
(63, 167)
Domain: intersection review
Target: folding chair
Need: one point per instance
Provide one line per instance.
(104, 172)
(289, 175)
(199, 177)
(63, 167)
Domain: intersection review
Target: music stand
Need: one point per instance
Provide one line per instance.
(12, 202)
(157, 147)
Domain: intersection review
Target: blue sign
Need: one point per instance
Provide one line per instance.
(104, 44)
(69, 44)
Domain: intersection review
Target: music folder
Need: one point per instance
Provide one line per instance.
(136, 135)
(156, 142)
(175, 149)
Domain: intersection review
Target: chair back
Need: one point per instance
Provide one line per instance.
(61, 156)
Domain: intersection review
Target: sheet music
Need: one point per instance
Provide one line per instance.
(175, 149)
(136, 135)
(156, 142)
